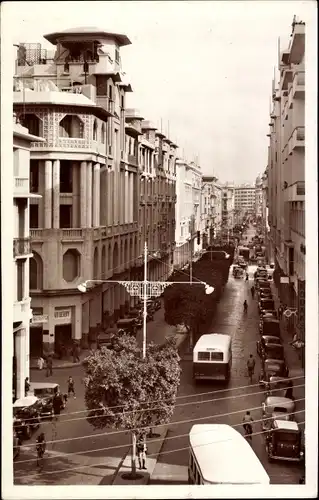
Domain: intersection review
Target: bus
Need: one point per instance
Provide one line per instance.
(212, 357)
(219, 454)
(244, 252)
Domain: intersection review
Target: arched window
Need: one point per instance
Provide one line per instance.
(96, 264)
(104, 263)
(95, 130)
(71, 126)
(103, 133)
(36, 272)
(33, 124)
(71, 264)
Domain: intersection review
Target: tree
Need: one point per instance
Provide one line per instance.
(125, 391)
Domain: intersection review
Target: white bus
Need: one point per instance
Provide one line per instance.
(218, 454)
(212, 357)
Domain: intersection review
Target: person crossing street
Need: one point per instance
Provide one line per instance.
(251, 367)
(252, 290)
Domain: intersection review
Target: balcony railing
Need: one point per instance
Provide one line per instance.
(21, 247)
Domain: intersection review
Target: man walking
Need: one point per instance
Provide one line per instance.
(280, 312)
(141, 453)
(49, 365)
(252, 291)
(251, 367)
(71, 387)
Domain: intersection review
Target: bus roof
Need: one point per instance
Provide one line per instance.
(224, 456)
(217, 340)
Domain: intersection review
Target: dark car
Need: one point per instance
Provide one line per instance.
(128, 325)
(26, 416)
(264, 341)
(284, 441)
(265, 294)
(45, 392)
(266, 305)
(263, 284)
(271, 368)
(269, 325)
(273, 351)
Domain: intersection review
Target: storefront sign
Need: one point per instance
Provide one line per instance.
(39, 319)
(62, 316)
(284, 280)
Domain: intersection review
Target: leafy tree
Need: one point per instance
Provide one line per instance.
(125, 391)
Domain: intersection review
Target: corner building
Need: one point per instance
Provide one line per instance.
(85, 226)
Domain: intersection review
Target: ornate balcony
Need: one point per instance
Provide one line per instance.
(21, 247)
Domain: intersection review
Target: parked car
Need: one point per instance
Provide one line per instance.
(273, 351)
(279, 386)
(272, 367)
(16, 444)
(276, 408)
(268, 315)
(265, 294)
(45, 392)
(269, 325)
(266, 305)
(26, 413)
(284, 441)
(128, 325)
(264, 341)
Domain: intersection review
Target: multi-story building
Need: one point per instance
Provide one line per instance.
(157, 200)
(244, 198)
(22, 312)
(188, 211)
(258, 196)
(228, 208)
(286, 173)
(211, 208)
(85, 226)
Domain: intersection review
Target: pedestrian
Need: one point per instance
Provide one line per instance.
(251, 367)
(40, 363)
(252, 291)
(141, 453)
(280, 312)
(40, 447)
(49, 365)
(26, 386)
(71, 387)
(247, 276)
(57, 404)
(245, 306)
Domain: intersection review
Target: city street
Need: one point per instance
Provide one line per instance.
(228, 406)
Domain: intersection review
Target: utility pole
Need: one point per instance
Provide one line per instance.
(145, 299)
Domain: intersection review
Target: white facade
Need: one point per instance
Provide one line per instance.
(187, 211)
(258, 197)
(245, 198)
(22, 312)
(228, 208)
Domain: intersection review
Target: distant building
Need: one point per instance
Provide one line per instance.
(245, 198)
(258, 196)
(228, 209)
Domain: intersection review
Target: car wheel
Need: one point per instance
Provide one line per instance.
(27, 432)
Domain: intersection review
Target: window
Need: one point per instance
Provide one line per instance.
(33, 124)
(71, 126)
(203, 356)
(71, 265)
(216, 356)
(66, 176)
(34, 216)
(20, 279)
(34, 176)
(122, 102)
(65, 216)
(103, 133)
(95, 130)
(33, 283)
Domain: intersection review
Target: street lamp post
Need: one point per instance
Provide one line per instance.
(144, 290)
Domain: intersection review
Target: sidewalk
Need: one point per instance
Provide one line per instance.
(155, 330)
(293, 362)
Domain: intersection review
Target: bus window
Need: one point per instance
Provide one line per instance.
(203, 356)
(216, 356)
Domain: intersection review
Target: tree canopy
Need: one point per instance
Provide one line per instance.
(124, 391)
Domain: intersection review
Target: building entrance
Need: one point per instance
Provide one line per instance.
(62, 339)
(36, 341)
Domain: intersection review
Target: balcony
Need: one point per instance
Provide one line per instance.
(295, 192)
(297, 139)
(286, 78)
(297, 44)
(298, 84)
(21, 247)
(21, 186)
(22, 311)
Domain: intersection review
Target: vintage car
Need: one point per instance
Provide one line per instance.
(284, 441)
(268, 315)
(276, 408)
(266, 305)
(272, 351)
(45, 392)
(271, 368)
(269, 325)
(279, 386)
(262, 284)
(26, 416)
(128, 325)
(264, 341)
(238, 272)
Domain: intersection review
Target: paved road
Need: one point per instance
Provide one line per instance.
(228, 406)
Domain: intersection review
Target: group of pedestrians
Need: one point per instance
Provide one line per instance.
(48, 363)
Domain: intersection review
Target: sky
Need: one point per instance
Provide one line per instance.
(202, 69)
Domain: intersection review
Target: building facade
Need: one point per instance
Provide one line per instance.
(188, 235)
(258, 196)
(85, 226)
(245, 198)
(22, 253)
(211, 195)
(286, 174)
(228, 210)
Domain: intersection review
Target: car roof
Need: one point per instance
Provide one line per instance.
(216, 340)
(290, 425)
(269, 338)
(278, 400)
(26, 401)
(274, 344)
(269, 319)
(272, 361)
(43, 385)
